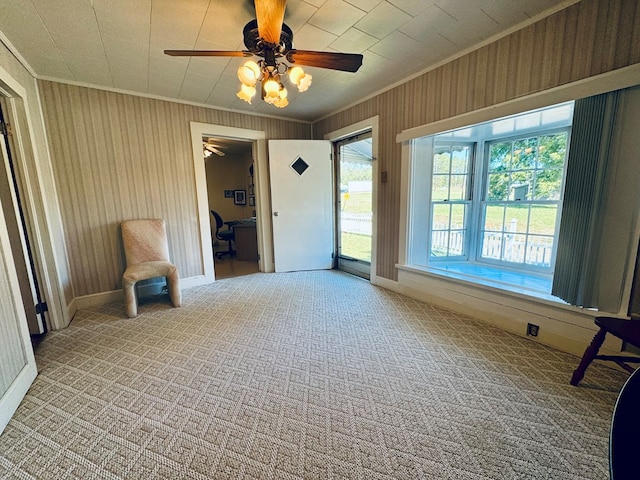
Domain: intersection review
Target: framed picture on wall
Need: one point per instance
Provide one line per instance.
(240, 197)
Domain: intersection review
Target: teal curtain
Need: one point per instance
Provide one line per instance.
(577, 271)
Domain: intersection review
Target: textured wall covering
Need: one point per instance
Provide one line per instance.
(38, 190)
(117, 157)
(583, 40)
(12, 355)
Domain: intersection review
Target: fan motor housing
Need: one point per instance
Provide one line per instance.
(256, 45)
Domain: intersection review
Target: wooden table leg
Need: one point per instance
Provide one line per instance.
(589, 354)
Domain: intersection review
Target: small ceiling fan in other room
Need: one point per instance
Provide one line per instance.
(211, 147)
(269, 38)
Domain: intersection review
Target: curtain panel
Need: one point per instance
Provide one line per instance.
(597, 240)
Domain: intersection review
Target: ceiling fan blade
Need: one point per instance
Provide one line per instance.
(347, 62)
(213, 149)
(270, 16)
(207, 53)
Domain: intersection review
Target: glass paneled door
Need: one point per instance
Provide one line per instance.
(354, 203)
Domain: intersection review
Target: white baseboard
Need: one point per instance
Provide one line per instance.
(97, 299)
(561, 327)
(196, 281)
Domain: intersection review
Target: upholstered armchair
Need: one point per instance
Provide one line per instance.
(147, 254)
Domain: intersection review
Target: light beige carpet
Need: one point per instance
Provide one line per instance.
(306, 375)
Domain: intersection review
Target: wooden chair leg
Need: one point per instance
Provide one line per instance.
(589, 354)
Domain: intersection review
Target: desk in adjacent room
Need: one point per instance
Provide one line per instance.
(246, 240)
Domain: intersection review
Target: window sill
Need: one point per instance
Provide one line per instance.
(536, 287)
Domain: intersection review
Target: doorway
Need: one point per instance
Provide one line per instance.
(14, 218)
(352, 260)
(354, 203)
(229, 169)
(261, 190)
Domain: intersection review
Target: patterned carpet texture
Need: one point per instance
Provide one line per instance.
(307, 375)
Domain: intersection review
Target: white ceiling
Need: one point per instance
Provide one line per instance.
(118, 44)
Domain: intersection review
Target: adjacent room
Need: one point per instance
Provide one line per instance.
(232, 203)
(319, 239)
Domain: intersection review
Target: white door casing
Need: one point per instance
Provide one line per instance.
(302, 204)
(344, 132)
(263, 224)
(17, 362)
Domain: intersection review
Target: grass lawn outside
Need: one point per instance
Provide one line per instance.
(502, 217)
(356, 246)
(359, 202)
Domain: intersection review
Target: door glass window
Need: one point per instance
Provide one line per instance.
(355, 179)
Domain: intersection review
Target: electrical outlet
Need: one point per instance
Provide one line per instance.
(532, 329)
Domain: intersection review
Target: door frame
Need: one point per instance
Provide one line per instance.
(261, 182)
(348, 131)
(16, 220)
(17, 389)
(40, 201)
(355, 266)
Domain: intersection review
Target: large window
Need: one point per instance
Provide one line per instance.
(490, 195)
(522, 199)
(450, 199)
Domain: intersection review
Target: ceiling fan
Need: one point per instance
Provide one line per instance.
(271, 39)
(209, 146)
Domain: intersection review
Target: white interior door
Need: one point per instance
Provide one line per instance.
(301, 200)
(17, 363)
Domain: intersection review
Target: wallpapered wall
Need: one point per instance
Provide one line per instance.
(583, 40)
(117, 157)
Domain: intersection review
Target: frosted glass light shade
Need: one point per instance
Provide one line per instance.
(271, 86)
(300, 79)
(304, 83)
(246, 93)
(249, 73)
(281, 102)
(295, 74)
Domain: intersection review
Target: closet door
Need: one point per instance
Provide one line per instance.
(17, 363)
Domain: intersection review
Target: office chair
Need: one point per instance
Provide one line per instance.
(147, 253)
(226, 235)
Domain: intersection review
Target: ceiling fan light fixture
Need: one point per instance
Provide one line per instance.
(246, 93)
(299, 78)
(281, 102)
(271, 39)
(271, 86)
(274, 92)
(249, 73)
(295, 74)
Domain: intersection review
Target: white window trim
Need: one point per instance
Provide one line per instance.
(408, 246)
(420, 207)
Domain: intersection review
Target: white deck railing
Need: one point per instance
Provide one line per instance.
(515, 247)
(359, 223)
